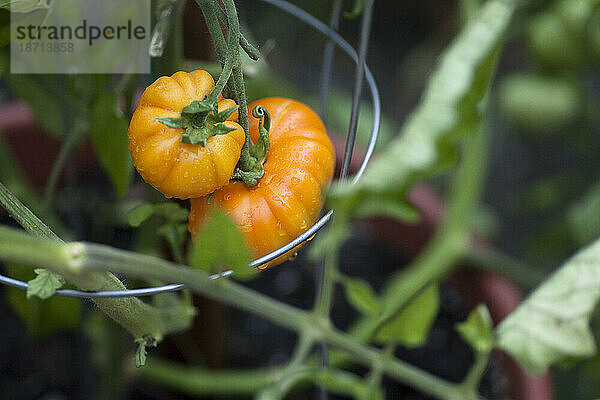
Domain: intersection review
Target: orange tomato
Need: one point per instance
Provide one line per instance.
(287, 199)
(174, 168)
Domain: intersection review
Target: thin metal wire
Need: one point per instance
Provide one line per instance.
(347, 48)
(327, 64)
(365, 32)
(328, 55)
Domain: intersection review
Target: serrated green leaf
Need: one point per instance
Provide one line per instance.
(141, 354)
(477, 330)
(411, 327)
(141, 213)
(108, 133)
(219, 246)
(44, 284)
(552, 324)
(360, 294)
(450, 109)
(41, 317)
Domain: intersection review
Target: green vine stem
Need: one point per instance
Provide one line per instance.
(83, 260)
(325, 291)
(249, 168)
(139, 318)
(293, 372)
(209, 9)
(252, 51)
(200, 382)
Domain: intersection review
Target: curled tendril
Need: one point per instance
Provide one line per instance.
(264, 121)
(250, 166)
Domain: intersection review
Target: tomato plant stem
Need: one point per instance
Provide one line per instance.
(214, 28)
(82, 262)
(327, 286)
(293, 372)
(134, 315)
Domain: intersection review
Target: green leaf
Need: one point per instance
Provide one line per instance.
(584, 217)
(141, 213)
(23, 6)
(220, 246)
(172, 212)
(411, 327)
(357, 9)
(41, 317)
(552, 325)
(540, 103)
(141, 354)
(477, 330)
(108, 133)
(450, 109)
(388, 207)
(360, 294)
(44, 285)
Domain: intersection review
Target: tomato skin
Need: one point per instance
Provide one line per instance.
(178, 169)
(288, 198)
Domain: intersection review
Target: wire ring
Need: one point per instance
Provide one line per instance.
(350, 51)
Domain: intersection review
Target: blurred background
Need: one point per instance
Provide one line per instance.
(541, 201)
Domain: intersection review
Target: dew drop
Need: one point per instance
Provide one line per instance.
(293, 257)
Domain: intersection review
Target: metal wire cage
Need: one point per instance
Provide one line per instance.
(333, 38)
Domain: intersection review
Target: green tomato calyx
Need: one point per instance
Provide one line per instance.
(201, 120)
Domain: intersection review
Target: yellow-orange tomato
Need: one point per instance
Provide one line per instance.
(287, 199)
(174, 168)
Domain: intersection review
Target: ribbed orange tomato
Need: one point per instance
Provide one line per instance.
(174, 168)
(287, 199)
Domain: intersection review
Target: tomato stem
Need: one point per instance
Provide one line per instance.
(250, 166)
